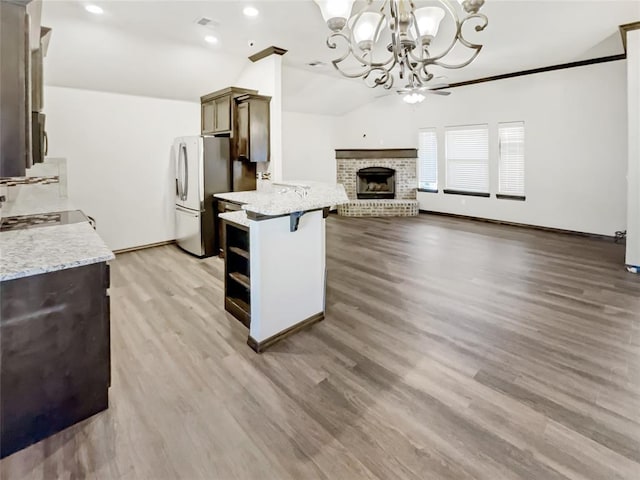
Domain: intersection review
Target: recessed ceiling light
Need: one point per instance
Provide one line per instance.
(94, 9)
(250, 11)
(211, 39)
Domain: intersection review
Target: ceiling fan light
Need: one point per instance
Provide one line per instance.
(335, 12)
(428, 22)
(413, 98)
(366, 28)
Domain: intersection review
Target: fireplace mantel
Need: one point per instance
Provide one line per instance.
(376, 153)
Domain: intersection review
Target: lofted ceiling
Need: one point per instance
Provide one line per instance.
(155, 47)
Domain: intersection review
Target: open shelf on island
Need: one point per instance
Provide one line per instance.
(241, 278)
(239, 309)
(237, 268)
(239, 251)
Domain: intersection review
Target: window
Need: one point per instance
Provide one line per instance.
(511, 166)
(467, 155)
(427, 159)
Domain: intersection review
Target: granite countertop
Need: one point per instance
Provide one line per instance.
(46, 249)
(41, 249)
(282, 198)
(239, 217)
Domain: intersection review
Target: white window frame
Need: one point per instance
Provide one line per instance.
(428, 167)
(511, 161)
(478, 156)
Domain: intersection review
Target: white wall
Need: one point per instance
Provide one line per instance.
(265, 75)
(633, 206)
(118, 153)
(575, 135)
(307, 147)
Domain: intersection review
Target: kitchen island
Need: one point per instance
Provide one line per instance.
(275, 275)
(54, 323)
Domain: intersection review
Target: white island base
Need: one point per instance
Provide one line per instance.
(275, 258)
(284, 270)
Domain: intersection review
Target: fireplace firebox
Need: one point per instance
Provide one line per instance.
(376, 182)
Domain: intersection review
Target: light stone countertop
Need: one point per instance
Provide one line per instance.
(239, 217)
(43, 249)
(32, 251)
(282, 198)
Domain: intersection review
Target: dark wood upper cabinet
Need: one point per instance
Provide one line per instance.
(217, 110)
(209, 117)
(251, 136)
(15, 113)
(242, 130)
(223, 113)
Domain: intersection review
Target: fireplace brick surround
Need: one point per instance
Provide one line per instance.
(403, 161)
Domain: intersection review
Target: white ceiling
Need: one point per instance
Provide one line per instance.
(155, 48)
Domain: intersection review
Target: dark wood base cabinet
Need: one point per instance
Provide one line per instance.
(55, 360)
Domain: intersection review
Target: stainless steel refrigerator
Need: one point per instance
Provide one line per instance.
(203, 167)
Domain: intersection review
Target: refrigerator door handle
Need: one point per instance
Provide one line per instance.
(193, 213)
(179, 175)
(185, 172)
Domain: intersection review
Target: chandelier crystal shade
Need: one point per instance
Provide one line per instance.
(394, 38)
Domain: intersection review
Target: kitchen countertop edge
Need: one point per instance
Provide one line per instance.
(273, 203)
(48, 249)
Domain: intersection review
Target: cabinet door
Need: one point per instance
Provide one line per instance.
(259, 131)
(54, 352)
(242, 130)
(208, 117)
(223, 114)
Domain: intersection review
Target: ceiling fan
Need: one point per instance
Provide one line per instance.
(413, 94)
(417, 94)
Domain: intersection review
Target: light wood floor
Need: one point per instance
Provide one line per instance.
(451, 350)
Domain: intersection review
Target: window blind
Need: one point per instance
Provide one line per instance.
(467, 155)
(427, 159)
(511, 165)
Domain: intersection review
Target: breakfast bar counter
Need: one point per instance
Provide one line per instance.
(275, 273)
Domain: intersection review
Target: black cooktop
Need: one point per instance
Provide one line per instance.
(20, 222)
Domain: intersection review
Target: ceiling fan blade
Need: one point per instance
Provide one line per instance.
(438, 92)
(438, 86)
(423, 89)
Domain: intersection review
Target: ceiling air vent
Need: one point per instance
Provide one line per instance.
(204, 21)
(317, 64)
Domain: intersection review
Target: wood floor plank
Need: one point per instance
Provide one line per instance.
(451, 349)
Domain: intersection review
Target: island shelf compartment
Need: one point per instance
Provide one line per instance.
(237, 272)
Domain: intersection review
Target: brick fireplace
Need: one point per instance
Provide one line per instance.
(376, 182)
(379, 182)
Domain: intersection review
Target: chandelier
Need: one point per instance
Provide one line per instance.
(403, 47)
